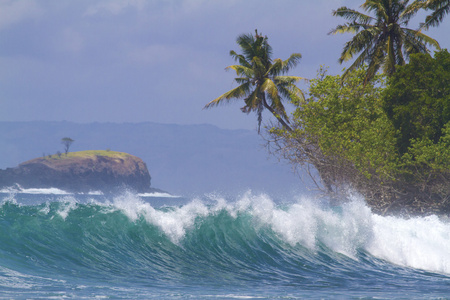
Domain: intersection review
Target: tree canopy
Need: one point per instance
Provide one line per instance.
(66, 141)
(417, 99)
(262, 80)
(388, 140)
(383, 40)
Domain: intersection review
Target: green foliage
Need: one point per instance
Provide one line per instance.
(383, 40)
(94, 153)
(401, 131)
(348, 122)
(428, 156)
(417, 99)
(66, 142)
(354, 134)
(262, 80)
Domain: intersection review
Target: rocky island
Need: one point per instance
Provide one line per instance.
(81, 172)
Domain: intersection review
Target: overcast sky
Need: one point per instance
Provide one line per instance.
(157, 61)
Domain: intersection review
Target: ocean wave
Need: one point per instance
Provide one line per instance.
(253, 233)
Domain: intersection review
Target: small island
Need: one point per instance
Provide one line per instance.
(81, 172)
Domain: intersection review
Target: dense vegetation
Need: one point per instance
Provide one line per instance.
(381, 128)
(388, 140)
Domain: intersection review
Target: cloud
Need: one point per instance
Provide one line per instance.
(12, 11)
(71, 41)
(155, 54)
(114, 7)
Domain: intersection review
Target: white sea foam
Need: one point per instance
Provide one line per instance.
(68, 203)
(95, 193)
(11, 279)
(307, 222)
(35, 191)
(159, 195)
(422, 243)
(46, 209)
(173, 223)
(9, 198)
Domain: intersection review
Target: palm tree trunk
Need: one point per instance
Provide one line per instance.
(280, 119)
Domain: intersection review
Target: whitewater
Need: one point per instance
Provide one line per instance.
(254, 246)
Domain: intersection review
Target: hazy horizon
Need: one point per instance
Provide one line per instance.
(182, 159)
(158, 61)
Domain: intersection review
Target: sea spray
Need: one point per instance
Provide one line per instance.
(68, 203)
(420, 242)
(173, 222)
(242, 246)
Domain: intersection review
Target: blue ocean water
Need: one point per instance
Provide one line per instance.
(253, 246)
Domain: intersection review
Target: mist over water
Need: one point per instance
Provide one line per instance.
(254, 245)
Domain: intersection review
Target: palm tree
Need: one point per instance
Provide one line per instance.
(383, 41)
(262, 83)
(439, 7)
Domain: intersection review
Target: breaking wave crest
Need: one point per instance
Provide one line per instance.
(215, 239)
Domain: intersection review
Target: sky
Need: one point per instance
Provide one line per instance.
(152, 61)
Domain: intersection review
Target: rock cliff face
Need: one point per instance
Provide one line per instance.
(83, 171)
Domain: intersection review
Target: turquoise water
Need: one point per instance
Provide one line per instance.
(249, 247)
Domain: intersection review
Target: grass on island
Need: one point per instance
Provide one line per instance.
(87, 154)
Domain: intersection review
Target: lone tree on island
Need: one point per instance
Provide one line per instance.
(67, 142)
(262, 81)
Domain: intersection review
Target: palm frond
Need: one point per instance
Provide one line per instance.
(243, 80)
(352, 15)
(238, 92)
(241, 70)
(387, 42)
(291, 62)
(440, 9)
(252, 101)
(275, 68)
(258, 66)
(287, 80)
(347, 28)
(378, 58)
(379, 7)
(292, 92)
(240, 58)
(362, 40)
(245, 42)
(411, 10)
(421, 39)
(359, 61)
(271, 89)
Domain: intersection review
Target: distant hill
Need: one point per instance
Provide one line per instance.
(182, 159)
(84, 171)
